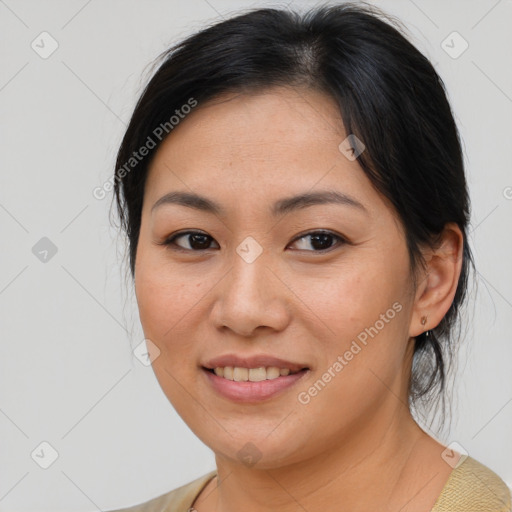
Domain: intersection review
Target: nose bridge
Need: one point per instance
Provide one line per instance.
(250, 297)
(249, 275)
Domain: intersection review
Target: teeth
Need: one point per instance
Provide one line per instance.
(257, 374)
(239, 374)
(273, 372)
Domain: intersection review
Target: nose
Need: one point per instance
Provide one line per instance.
(249, 297)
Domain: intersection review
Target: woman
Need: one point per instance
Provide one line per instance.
(293, 192)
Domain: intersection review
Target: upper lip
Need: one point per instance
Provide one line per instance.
(254, 361)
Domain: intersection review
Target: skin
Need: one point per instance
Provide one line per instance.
(355, 442)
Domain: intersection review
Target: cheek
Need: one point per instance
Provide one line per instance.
(361, 355)
(167, 299)
(353, 297)
(360, 314)
(169, 304)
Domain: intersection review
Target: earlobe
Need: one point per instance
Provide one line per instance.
(436, 291)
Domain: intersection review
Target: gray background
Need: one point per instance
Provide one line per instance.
(69, 324)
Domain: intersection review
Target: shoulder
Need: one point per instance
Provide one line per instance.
(473, 487)
(178, 500)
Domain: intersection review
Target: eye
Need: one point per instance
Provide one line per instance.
(194, 241)
(198, 241)
(320, 240)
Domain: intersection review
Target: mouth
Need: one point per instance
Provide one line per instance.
(252, 379)
(258, 374)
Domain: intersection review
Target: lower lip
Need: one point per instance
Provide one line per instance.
(252, 391)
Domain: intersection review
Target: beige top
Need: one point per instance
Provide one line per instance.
(471, 487)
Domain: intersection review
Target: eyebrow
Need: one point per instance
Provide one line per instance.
(280, 207)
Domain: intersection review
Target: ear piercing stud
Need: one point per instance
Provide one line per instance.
(424, 319)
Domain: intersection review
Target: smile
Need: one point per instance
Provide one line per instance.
(247, 390)
(240, 374)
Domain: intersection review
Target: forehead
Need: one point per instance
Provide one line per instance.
(268, 112)
(268, 124)
(282, 138)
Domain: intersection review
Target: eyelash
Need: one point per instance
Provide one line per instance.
(170, 242)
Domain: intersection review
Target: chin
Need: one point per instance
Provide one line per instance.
(258, 451)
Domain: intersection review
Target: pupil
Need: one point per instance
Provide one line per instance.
(203, 241)
(323, 238)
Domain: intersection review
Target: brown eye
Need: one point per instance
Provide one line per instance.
(319, 240)
(194, 241)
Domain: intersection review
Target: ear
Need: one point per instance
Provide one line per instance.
(437, 284)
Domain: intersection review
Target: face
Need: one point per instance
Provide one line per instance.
(248, 278)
